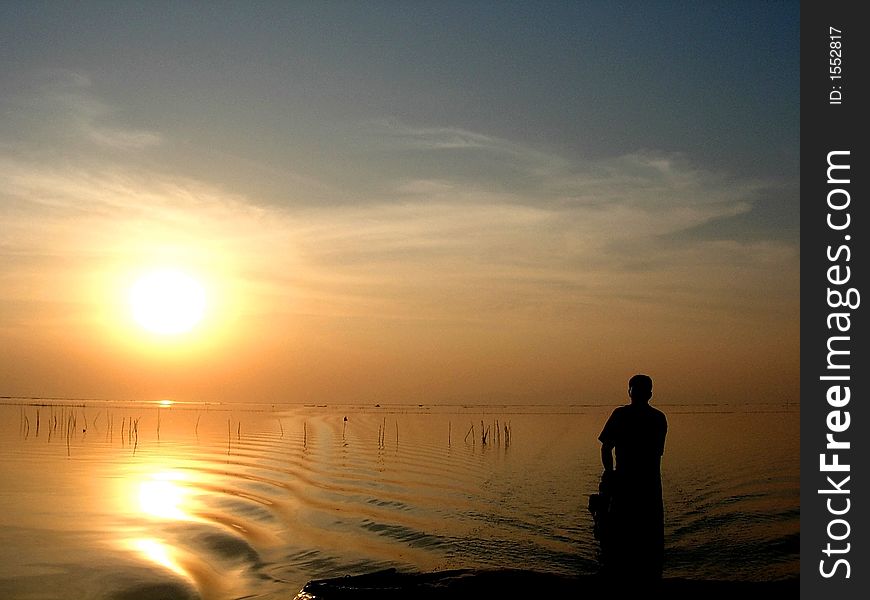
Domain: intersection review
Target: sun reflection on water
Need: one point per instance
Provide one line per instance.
(157, 552)
(162, 496)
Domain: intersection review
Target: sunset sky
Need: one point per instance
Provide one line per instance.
(433, 202)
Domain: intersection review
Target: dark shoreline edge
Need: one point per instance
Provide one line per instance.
(460, 584)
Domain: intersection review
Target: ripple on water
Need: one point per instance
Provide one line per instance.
(235, 503)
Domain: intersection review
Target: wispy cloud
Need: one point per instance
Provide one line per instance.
(441, 138)
(65, 105)
(121, 139)
(575, 234)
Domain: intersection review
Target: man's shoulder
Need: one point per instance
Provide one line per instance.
(659, 416)
(619, 413)
(656, 411)
(614, 423)
(649, 413)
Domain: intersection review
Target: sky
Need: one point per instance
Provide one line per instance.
(415, 202)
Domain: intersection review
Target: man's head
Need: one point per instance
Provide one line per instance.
(640, 388)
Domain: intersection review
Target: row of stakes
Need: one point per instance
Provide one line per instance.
(492, 434)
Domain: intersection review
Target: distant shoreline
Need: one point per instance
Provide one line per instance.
(522, 407)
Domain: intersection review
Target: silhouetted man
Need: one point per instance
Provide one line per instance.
(635, 542)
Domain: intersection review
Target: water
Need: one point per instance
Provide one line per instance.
(115, 500)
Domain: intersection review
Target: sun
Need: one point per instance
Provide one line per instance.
(167, 302)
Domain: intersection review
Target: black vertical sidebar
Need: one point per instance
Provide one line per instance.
(835, 371)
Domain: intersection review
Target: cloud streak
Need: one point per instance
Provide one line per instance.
(579, 234)
(61, 104)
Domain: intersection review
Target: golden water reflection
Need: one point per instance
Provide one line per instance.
(169, 505)
(160, 493)
(163, 494)
(158, 552)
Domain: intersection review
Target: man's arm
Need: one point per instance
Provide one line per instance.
(662, 434)
(607, 456)
(607, 439)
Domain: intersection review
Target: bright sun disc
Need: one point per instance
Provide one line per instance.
(167, 302)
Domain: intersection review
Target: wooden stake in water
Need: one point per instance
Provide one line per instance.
(471, 432)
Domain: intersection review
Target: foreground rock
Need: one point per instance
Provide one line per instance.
(470, 584)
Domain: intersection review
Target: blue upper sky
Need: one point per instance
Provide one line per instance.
(717, 81)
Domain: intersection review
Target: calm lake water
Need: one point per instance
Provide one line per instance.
(115, 500)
